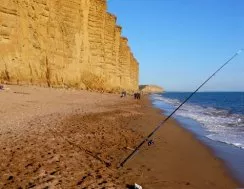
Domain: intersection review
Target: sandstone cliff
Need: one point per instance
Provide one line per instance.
(151, 89)
(64, 43)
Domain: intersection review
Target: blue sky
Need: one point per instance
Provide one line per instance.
(179, 43)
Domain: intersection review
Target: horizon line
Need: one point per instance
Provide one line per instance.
(206, 91)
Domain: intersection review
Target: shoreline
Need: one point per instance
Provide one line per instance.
(221, 150)
(213, 153)
(212, 147)
(76, 139)
(204, 159)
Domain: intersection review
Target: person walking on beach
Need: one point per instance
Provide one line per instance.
(137, 96)
(123, 94)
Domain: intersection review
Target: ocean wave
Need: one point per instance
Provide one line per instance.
(222, 125)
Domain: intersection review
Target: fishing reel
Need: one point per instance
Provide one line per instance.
(150, 142)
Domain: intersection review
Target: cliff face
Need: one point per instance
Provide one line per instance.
(64, 43)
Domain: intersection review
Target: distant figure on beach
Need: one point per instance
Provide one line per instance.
(137, 96)
(123, 94)
(1, 87)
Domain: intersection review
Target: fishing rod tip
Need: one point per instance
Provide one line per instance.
(240, 51)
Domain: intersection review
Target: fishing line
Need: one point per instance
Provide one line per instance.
(166, 119)
(55, 133)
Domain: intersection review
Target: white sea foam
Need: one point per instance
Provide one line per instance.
(222, 126)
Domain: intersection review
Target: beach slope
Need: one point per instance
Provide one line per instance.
(54, 138)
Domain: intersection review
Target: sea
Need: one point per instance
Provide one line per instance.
(215, 118)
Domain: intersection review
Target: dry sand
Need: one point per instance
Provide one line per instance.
(53, 138)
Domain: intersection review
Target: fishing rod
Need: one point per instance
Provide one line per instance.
(166, 119)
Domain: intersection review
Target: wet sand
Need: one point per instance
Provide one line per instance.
(54, 138)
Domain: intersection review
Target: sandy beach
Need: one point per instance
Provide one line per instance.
(56, 138)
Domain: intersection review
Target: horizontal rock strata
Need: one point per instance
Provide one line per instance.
(64, 43)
